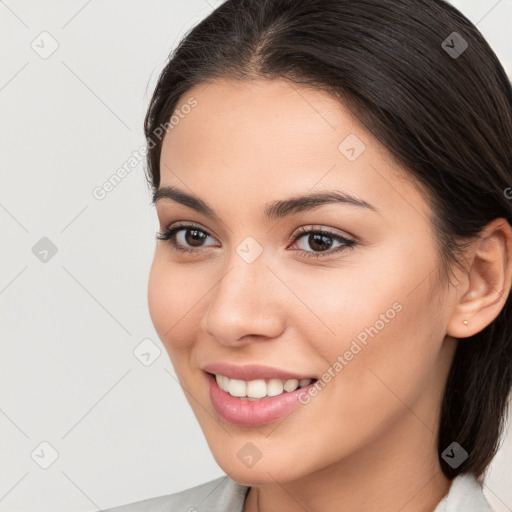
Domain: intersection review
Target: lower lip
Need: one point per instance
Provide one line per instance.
(251, 413)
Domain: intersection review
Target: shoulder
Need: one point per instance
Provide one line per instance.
(221, 494)
(465, 495)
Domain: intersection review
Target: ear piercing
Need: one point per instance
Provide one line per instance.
(466, 322)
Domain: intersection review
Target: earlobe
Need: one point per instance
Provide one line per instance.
(487, 283)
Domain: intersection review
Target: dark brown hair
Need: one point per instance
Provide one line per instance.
(442, 109)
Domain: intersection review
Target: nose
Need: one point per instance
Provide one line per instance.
(246, 304)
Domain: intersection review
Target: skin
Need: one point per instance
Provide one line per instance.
(367, 441)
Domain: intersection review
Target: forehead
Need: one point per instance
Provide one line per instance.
(257, 141)
(255, 123)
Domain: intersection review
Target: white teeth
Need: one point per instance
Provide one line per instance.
(275, 387)
(259, 388)
(237, 387)
(225, 382)
(256, 388)
(222, 382)
(291, 385)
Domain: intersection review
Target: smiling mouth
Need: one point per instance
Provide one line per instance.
(259, 388)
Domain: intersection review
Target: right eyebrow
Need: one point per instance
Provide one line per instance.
(273, 210)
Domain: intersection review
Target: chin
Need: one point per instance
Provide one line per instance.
(260, 474)
(267, 470)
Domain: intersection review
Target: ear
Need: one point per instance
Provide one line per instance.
(483, 290)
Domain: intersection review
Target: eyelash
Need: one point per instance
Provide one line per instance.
(168, 233)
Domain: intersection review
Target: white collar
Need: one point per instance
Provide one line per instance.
(465, 495)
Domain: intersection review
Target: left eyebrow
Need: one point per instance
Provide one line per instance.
(273, 210)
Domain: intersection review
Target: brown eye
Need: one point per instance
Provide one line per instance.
(184, 238)
(321, 242)
(189, 239)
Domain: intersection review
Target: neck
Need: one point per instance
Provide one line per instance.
(401, 473)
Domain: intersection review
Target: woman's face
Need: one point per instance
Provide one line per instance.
(366, 318)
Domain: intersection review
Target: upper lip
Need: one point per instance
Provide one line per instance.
(252, 372)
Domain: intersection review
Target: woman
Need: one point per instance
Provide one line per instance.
(332, 278)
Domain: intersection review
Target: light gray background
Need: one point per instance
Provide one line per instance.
(123, 431)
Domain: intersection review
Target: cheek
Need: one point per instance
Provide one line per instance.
(389, 358)
(159, 297)
(174, 301)
(374, 320)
